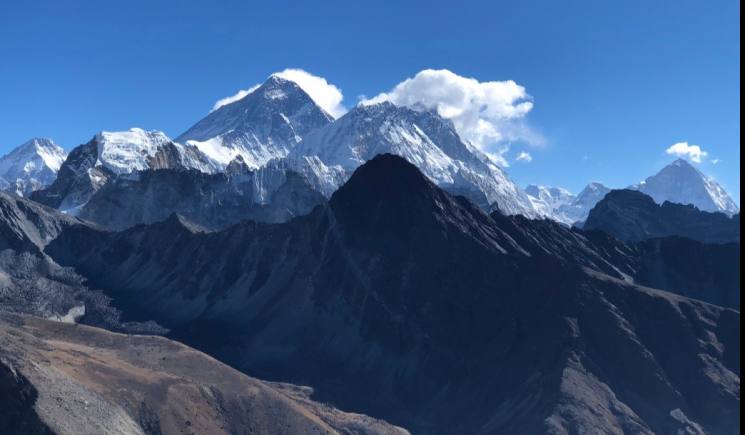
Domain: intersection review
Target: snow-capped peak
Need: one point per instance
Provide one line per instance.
(680, 182)
(263, 125)
(425, 139)
(554, 196)
(130, 150)
(124, 152)
(31, 166)
(561, 205)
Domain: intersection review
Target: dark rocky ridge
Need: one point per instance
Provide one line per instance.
(33, 283)
(402, 301)
(633, 216)
(704, 271)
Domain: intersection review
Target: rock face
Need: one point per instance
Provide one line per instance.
(28, 226)
(423, 138)
(110, 154)
(634, 216)
(212, 201)
(406, 303)
(32, 283)
(708, 272)
(264, 125)
(69, 379)
(30, 166)
(681, 183)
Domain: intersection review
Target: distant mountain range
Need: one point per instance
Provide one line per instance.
(679, 182)
(278, 125)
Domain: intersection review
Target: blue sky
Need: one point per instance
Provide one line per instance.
(613, 84)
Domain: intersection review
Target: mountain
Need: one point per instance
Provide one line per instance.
(559, 204)
(265, 124)
(90, 166)
(633, 216)
(278, 121)
(423, 138)
(548, 200)
(552, 197)
(30, 166)
(32, 283)
(707, 272)
(28, 226)
(402, 301)
(212, 201)
(681, 183)
(69, 379)
(580, 207)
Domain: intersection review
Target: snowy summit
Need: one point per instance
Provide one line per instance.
(30, 166)
(680, 182)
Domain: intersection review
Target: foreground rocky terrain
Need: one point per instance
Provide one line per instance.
(60, 378)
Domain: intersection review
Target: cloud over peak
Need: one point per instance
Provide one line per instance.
(233, 98)
(683, 149)
(325, 94)
(487, 114)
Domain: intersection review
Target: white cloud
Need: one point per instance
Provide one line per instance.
(326, 95)
(233, 98)
(487, 114)
(683, 149)
(524, 156)
(716, 161)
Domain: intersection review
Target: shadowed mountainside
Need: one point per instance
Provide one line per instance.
(633, 216)
(71, 379)
(406, 303)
